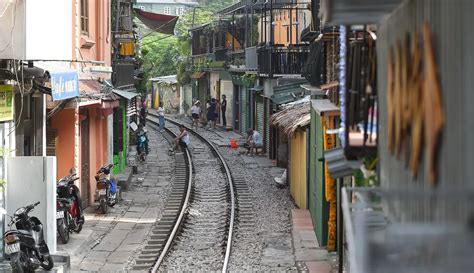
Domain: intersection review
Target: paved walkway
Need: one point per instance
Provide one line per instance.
(109, 242)
(308, 255)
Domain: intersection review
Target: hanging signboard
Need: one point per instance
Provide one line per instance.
(6, 102)
(64, 85)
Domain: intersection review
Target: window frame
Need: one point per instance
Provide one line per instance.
(84, 10)
(167, 10)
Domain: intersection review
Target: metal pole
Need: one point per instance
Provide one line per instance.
(233, 32)
(297, 25)
(251, 24)
(272, 41)
(291, 22)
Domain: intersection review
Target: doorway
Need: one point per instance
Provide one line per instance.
(236, 107)
(85, 159)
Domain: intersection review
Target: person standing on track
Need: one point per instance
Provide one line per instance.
(223, 109)
(196, 113)
(211, 113)
(161, 117)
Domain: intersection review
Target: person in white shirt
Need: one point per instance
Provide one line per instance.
(196, 113)
(161, 117)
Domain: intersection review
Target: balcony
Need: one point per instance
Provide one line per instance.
(278, 60)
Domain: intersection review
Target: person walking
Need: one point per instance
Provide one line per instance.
(196, 113)
(211, 113)
(223, 109)
(161, 117)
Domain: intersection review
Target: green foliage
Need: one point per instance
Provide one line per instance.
(172, 55)
(159, 58)
(248, 79)
(366, 176)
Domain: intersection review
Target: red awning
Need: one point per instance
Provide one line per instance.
(161, 23)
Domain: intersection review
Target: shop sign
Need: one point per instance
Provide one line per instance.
(6, 102)
(64, 85)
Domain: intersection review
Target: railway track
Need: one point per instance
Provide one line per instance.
(174, 211)
(201, 236)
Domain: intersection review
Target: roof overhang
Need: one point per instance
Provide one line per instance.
(125, 94)
(356, 12)
(198, 75)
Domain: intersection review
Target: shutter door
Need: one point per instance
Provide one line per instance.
(51, 138)
(267, 124)
(260, 114)
(243, 110)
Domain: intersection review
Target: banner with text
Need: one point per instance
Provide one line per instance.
(6, 102)
(64, 85)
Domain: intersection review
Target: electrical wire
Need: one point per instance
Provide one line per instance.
(11, 30)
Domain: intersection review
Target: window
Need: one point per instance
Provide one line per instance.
(167, 10)
(141, 7)
(85, 17)
(180, 11)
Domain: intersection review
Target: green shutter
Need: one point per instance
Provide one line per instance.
(321, 215)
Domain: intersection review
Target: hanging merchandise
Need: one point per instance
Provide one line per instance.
(330, 184)
(414, 108)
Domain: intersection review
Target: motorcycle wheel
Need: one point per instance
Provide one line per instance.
(15, 262)
(63, 231)
(78, 228)
(103, 206)
(47, 262)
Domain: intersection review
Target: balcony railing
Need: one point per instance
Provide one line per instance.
(276, 60)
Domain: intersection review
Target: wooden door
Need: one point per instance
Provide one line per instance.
(85, 160)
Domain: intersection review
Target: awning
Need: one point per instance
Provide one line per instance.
(125, 94)
(350, 12)
(161, 23)
(325, 107)
(171, 79)
(257, 88)
(198, 75)
(338, 164)
(287, 93)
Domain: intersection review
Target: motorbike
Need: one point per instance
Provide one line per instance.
(106, 191)
(25, 246)
(68, 213)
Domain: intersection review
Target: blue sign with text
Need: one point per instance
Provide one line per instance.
(64, 85)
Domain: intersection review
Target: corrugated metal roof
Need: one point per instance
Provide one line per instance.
(289, 92)
(125, 94)
(171, 79)
(324, 106)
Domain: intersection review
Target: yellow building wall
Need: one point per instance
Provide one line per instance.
(298, 185)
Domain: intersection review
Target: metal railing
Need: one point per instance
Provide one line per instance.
(282, 60)
(408, 230)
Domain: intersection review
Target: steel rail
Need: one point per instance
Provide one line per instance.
(231, 186)
(184, 207)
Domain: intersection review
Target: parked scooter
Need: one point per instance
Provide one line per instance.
(69, 213)
(26, 246)
(106, 188)
(142, 143)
